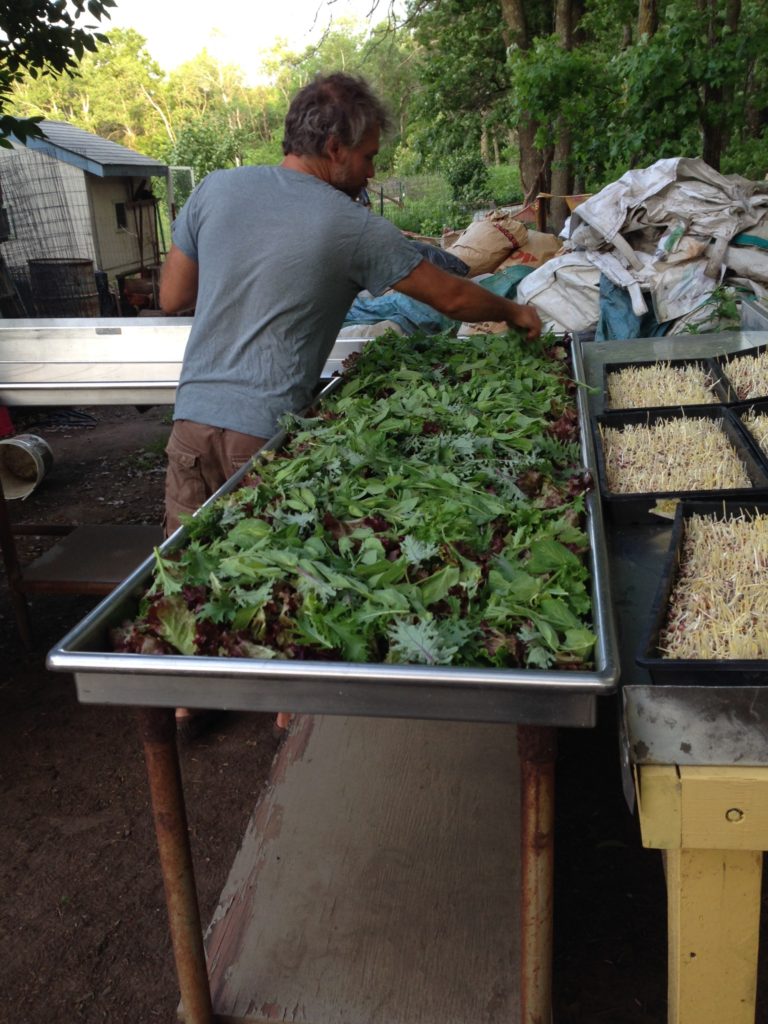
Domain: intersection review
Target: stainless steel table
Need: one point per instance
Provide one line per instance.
(534, 700)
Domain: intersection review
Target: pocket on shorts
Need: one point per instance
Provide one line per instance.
(185, 488)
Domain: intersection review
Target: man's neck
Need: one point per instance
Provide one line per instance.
(317, 166)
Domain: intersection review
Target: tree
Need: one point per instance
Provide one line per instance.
(464, 86)
(592, 87)
(215, 119)
(42, 37)
(117, 93)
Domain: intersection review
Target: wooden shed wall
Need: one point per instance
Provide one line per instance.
(121, 250)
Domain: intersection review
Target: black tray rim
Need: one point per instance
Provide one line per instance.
(722, 387)
(756, 465)
(670, 669)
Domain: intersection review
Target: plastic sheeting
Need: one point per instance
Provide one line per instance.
(659, 233)
(566, 293)
(712, 205)
(409, 314)
(618, 321)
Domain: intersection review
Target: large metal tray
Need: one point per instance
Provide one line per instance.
(105, 361)
(534, 696)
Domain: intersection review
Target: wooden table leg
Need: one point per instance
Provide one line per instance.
(536, 750)
(712, 824)
(158, 733)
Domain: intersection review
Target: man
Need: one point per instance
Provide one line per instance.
(272, 258)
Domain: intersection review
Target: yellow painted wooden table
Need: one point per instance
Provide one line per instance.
(711, 822)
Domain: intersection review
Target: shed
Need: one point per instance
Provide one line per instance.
(80, 215)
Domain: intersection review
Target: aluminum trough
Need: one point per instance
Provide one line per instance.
(532, 696)
(105, 361)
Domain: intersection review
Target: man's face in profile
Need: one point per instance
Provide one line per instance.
(352, 167)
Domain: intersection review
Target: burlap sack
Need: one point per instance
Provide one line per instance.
(486, 327)
(535, 250)
(485, 243)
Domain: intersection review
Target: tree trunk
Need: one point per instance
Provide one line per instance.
(716, 98)
(484, 150)
(562, 173)
(647, 18)
(534, 168)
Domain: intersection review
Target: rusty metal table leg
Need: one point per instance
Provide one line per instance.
(158, 734)
(536, 750)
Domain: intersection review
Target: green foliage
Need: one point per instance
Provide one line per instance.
(43, 38)
(698, 85)
(504, 184)
(206, 147)
(468, 177)
(720, 312)
(398, 524)
(457, 79)
(748, 157)
(420, 216)
(463, 80)
(426, 205)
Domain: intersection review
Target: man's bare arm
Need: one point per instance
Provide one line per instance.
(464, 300)
(178, 282)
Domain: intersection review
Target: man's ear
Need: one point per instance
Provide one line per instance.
(333, 148)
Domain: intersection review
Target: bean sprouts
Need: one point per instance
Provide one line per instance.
(749, 375)
(718, 604)
(680, 454)
(657, 384)
(757, 424)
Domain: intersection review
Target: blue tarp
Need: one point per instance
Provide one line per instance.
(617, 321)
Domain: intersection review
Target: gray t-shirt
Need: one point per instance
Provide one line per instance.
(281, 256)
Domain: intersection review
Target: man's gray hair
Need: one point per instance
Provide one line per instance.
(339, 104)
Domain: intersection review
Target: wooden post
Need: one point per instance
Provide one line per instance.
(536, 750)
(712, 824)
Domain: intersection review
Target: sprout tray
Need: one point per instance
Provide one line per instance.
(638, 505)
(671, 671)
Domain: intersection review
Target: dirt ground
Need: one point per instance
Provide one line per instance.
(83, 925)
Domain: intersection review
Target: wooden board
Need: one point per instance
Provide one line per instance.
(378, 880)
(92, 559)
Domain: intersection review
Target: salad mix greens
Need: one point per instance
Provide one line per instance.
(429, 511)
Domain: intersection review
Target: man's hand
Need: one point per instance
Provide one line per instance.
(527, 319)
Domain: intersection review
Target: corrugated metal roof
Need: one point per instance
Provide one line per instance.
(90, 153)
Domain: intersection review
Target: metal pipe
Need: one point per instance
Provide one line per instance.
(536, 750)
(157, 727)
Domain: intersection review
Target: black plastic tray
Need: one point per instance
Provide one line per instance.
(721, 388)
(760, 405)
(724, 361)
(690, 672)
(636, 508)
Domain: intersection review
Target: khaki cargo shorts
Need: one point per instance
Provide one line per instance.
(200, 460)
